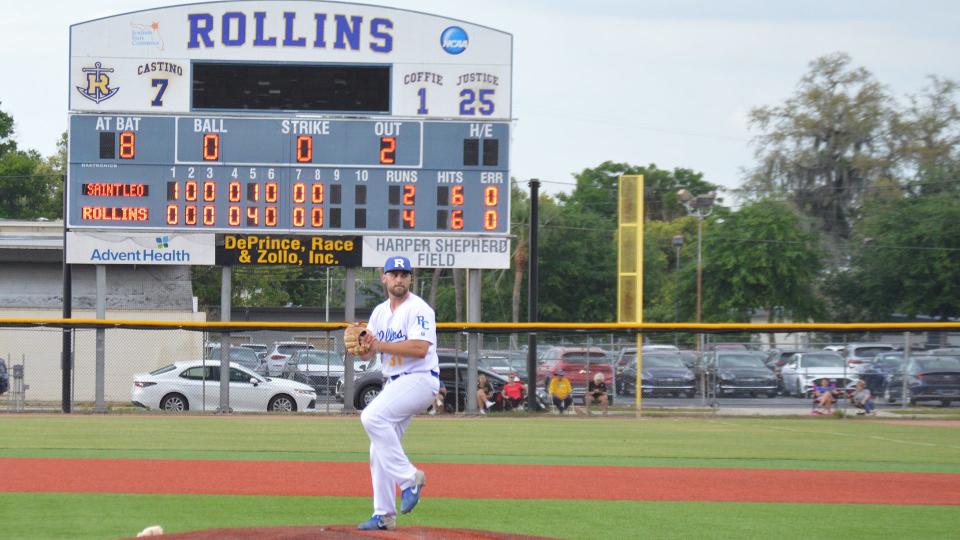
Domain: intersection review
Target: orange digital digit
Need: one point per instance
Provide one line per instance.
(409, 194)
(253, 192)
(456, 219)
(299, 216)
(233, 216)
(190, 214)
(316, 217)
(172, 216)
(128, 145)
(173, 191)
(209, 215)
(233, 191)
(491, 195)
(209, 192)
(316, 193)
(299, 192)
(253, 216)
(270, 216)
(305, 149)
(388, 150)
(270, 192)
(409, 218)
(211, 146)
(456, 195)
(190, 190)
(490, 220)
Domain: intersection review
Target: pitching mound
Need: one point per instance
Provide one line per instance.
(344, 532)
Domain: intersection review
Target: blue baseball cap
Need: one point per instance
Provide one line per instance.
(397, 264)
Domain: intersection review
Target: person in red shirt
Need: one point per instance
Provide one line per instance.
(514, 392)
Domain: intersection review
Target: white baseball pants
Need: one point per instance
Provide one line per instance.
(385, 419)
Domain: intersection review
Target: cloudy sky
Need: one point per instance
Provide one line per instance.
(668, 82)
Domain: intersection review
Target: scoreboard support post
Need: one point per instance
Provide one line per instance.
(349, 315)
(226, 305)
(99, 405)
(473, 340)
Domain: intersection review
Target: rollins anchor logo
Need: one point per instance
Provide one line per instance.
(454, 40)
(98, 84)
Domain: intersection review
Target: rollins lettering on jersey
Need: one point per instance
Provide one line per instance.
(391, 336)
(233, 27)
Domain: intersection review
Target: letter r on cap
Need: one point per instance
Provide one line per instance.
(398, 263)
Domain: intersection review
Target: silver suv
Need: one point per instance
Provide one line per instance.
(858, 353)
(278, 357)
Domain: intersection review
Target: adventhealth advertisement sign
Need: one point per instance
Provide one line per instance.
(140, 248)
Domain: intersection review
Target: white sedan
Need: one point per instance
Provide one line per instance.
(195, 385)
(804, 369)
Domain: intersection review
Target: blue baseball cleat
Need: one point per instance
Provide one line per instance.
(411, 496)
(379, 523)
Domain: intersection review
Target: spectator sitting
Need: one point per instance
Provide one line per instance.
(824, 394)
(438, 401)
(863, 399)
(513, 392)
(560, 390)
(484, 394)
(596, 393)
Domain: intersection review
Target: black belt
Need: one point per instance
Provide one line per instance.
(435, 373)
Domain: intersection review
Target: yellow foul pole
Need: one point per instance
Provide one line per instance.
(630, 262)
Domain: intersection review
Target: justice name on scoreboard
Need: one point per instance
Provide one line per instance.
(366, 133)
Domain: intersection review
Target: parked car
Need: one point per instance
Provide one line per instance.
(662, 374)
(195, 384)
(929, 378)
(878, 369)
(741, 372)
(260, 348)
(858, 353)
(947, 351)
(319, 369)
(497, 363)
(626, 359)
(580, 365)
(659, 348)
(807, 367)
(278, 356)
(776, 358)
(240, 355)
(453, 372)
(4, 377)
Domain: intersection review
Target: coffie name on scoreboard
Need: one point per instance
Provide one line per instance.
(268, 250)
(439, 251)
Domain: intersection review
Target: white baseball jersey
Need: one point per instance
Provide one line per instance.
(413, 319)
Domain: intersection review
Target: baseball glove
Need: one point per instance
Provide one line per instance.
(353, 339)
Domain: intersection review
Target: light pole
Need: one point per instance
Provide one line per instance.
(677, 242)
(700, 206)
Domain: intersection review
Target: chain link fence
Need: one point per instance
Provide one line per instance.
(677, 369)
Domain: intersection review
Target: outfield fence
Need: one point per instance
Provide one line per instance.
(31, 350)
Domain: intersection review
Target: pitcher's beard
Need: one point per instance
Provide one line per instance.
(399, 291)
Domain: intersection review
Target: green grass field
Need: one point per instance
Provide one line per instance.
(778, 443)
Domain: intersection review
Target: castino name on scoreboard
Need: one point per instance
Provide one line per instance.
(289, 117)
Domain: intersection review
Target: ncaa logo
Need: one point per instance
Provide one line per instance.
(454, 40)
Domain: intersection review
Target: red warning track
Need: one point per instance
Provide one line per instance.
(479, 481)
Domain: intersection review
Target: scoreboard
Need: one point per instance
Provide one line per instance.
(299, 117)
